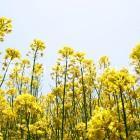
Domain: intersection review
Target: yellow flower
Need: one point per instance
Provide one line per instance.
(3, 103)
(2, 92)
(27, 102)
(135, 57)
(25, 62)
(9, 114)
(66, 51)
(37, 44)
(12, 91)
(113, 80)
(12, 53)
(80, 56)
(5, 27)
(98, 125)
(104, 62)
(38, 70)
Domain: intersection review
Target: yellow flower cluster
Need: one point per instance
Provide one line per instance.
(66, 51)
(12, 91)
(135, 57)
(12, 53)
(37, 44)
(28, 103)
(114, 81)
(5, 27)
(103, 124)
(104, 62)
(38, 69)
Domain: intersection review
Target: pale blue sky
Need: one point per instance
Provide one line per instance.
(98, 27)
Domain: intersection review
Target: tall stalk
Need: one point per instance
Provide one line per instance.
(84, 98)
(124, 113)
(5, 73)
(33, 69)
(63, 100)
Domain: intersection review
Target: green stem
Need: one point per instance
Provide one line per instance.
(63, 101)
(124, 114)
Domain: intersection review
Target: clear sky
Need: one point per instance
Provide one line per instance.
(98, 27)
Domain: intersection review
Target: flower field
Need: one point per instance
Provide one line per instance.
(88, 101)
